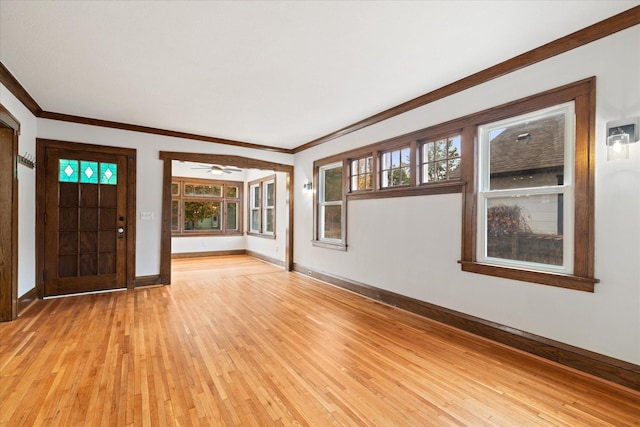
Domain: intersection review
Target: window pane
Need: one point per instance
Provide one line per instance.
(202, 216)
(189, 190)
(529, 153)
(332, 184)
(255, 196)
(175, 210)
(232, 192)
(268, 217)
(88, 172)
(441, 149)
(108, 173)
(217, 190)
(175, 189)
(270, 196)
(332, 222)
(232, 216)
(405, 157)
(68, 170)
(526, 228)
(255, 220)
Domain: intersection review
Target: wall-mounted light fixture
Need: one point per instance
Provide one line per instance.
(620, 134)
(308, 186)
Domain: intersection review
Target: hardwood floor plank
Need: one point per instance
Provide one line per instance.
(236, 341)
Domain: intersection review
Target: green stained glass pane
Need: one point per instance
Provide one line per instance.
(108, 173)
(68, 170)
(88, 172)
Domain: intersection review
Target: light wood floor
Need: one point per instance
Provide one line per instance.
(238, 342)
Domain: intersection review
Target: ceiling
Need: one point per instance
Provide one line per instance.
(274, 73)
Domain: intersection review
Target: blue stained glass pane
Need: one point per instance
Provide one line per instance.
(68, 170)
(108, 173)
(88, 172)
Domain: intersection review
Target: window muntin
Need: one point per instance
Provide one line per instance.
(525, 191)
(262, 206)
(330, 209)
(361, 173)
(199, 207)
(440, 159)
(395, 170)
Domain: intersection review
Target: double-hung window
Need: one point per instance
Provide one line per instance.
(528, 203)
(525, 194)
(262, 206)
(330, 228)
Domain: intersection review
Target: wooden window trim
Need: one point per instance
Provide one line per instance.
(261, 208)
(182, 197)
(582, 93)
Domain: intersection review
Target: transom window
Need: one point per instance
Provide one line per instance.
(440, 159)
(88, 172)
(361, 171)
(395, 170)
(200, 206)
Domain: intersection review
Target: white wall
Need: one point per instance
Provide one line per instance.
(26, 192)
(272, 248)
(149, 173)
(411, 245)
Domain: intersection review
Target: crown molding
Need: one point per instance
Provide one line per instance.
(14, 86)
(156, 131)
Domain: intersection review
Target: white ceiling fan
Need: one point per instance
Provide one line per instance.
(218, 169)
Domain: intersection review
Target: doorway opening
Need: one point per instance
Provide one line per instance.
(221, 160)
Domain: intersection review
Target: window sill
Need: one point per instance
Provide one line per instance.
(567, 281)
(201, 234)
(263, 236)
(448, 187)
(328, 245)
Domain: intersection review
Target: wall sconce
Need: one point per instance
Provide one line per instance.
(619, 135)
(308, 186)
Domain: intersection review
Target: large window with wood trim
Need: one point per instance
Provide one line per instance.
(262, 207)
(525, 190)
(205, 207)
(528, 211)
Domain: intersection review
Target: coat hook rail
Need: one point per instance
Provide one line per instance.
(28, 160)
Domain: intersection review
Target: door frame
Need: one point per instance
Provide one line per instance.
(41, 146)
(218, 159)
(9, 305)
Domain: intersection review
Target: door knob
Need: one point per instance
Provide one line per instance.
(120, 232)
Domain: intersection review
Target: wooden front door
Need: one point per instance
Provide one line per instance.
(85, 245)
